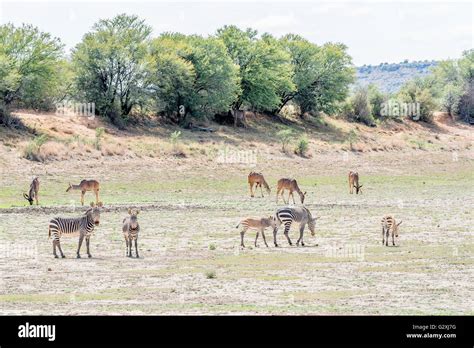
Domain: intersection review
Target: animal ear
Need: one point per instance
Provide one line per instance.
(304, 193)
(317, 218)
(26, 196)
(92, 204)
(399, 223)
(360, 186)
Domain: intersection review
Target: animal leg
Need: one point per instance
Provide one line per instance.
(278, 192)
(275, 230)
(256, 238)
(287, 229)
(97, 197)
(81, 238)
(251, 190)
(261, 191)
(264, 239)
(82, 197)
(87, 244)
(383, 235)
(136, 247)
(126, 246)
(393, 239)
(386, 236)
(54, 249)
(60, 250)
(242, 233)
(302, 226)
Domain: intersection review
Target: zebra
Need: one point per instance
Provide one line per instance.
(84, 226)
(389, 226)
(287, 215)
(259, 225)
(130, 229)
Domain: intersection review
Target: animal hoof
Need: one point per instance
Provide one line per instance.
(55, 256)
(89, 256)
(63, 256)
(78, 256)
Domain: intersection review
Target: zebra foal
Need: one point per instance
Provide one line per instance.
(130, 229)
(70, 227)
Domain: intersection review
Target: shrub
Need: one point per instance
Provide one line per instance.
(211, 275)
(352, 138)
(99, 133)
(361, 106)
(302, 146)
(285, 137)
(32, 150)
(212, 247)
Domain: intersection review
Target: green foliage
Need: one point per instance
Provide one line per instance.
(302, 146)
(352, 137)
(211, 275)
(99, 133)
(376, 100)
(285, 136)
(418, 91)
(33, 148)
(29, 61)
(322, 75)
(361, 106)
(264, 67)
(212, 246)
(110, 65)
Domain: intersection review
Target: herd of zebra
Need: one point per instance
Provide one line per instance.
(83, 226)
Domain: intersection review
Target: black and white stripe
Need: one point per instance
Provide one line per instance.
(69, 227)
(288, 215)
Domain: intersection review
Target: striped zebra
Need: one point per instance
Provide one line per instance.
(69, 227)
(288, 215)
(130, 229)
(389, 227)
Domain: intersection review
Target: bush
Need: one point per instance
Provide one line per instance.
(361, 106)
(99, 133)
(352, 138)
(32, 150)
(285, 137)
(211, 275)
(302, 146)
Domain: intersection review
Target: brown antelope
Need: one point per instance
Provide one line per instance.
(259, 180)
(290, 185)
(84, 186)
(259, 225)
(354, 182)
(389, 227)
(33, 193)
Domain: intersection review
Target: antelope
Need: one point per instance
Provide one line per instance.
(354, 182)
(290, 185)
(130, 229)
(259, 180)
(259, 225)
(33, 193)
(69, 227)
(288, 215)
(389, 227)
(84, 186)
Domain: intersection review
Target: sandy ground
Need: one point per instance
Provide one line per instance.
(191, 262)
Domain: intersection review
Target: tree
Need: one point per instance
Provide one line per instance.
(110, 65)
(322, 75)
(418, 91)
(450, 99)
(376, 100)
(264, 68)
(28, 67)
(361, 106)
(207, 76)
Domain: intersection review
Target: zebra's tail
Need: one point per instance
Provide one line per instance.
(237, 225)
(49, 232)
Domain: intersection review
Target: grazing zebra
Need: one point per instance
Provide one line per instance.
(130, 229)
(354, 182)
(84, 186)
(389, 227)
(287, 215)
(259, 225)
(33, 193)
(259, 180)
(290, 185)
(69, 227)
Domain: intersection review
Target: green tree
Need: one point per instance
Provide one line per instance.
(110, 65)
(264, 68)
(29, 71)
(322, 75)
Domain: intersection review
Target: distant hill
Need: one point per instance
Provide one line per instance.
(390, 77)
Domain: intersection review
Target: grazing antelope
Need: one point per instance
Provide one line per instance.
(33, 193)
(354, 182)
(389, 227)
(259, 180)
(259, 225)
(290, 185)
(84, 186)
(288, 215)
(130, 229)
(70, 227)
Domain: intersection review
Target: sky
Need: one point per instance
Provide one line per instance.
(374, 32)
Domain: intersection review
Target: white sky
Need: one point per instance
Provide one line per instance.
(375, 32)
